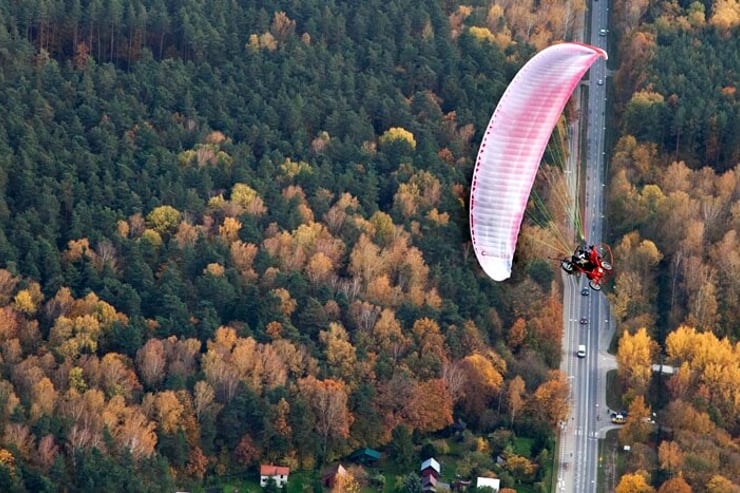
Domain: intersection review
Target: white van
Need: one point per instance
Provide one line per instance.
(581, 353)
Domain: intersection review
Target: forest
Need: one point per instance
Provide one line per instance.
(233, 234)
(674, 215)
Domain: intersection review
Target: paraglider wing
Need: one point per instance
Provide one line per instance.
(512, 148)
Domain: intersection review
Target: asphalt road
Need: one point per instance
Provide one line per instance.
(588, 419)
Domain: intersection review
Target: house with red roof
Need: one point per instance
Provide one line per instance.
(278, 473)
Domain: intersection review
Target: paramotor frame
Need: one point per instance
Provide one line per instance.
(595, 262)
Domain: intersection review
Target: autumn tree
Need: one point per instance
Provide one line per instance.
(197, 463)
(151, 362)
(247, 199)
(430, 406)
(720, 484)
(20, 437)
(44, 399)
(282, 26)
(638, 425)
(182, 356)
(84, 412)
(728, 281)
(429, 352)
(675, 485)
(484, 382)
(243, 254)
(328, 400)
(204, 404)
(670, 456)
(164, 219)
(636, 288)
(550, 399)
(520, 467)
(390, 400)
(635, 359)
(543, 327)
(388, 337)
(340, 353)
(229, 230)
(46, 452)
(515, 397)
(246, 452)
(419, 195)
(129, 427)
(8, 282)
(165, 409)
(346, 483)
(397, 134)
(117, 377)
(455, 377)
(707, 363)
(517, 334)
(637, 482)
(280, 422)
(231, 359)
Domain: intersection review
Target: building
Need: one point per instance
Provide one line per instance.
(429, 484)
(430, 467)
(278, 473)
(365, 456)
(430, 472)
(494, 483)
(330, 475)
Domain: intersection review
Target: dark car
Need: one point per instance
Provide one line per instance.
(584, 321)
(585, 291)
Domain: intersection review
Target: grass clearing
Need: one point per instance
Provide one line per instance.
(613, 391)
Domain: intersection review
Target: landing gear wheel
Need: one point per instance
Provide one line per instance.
(567, 266)
(606, 265)
(594, 285)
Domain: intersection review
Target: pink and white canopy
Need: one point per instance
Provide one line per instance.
(512, 148)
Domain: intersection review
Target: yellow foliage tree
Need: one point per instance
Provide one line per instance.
(229, 230)
(164, 219)
(482, 34)
(340, 353)
(44, 399)
(8, 460)
(725, 15)
(635, 483)
(166, 410)
(397, 134)
(720, 484)
(670, 456)
(130, 428)
(319, 268)
(638, 426)
(247, 198)
(484, 382)
(635, 359)
(24, 303)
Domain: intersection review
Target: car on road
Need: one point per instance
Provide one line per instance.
(581, 353)
(584, 321)
(618, 418)
(602, 32)
(585, 291)
(600, 82)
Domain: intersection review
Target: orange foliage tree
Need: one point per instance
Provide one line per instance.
(635, 483)
(328, 400)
